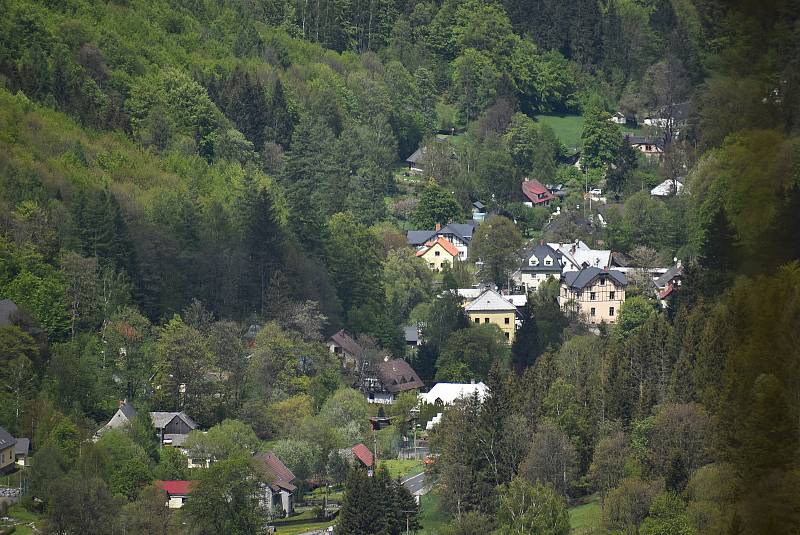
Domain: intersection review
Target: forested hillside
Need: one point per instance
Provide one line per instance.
(195, 195)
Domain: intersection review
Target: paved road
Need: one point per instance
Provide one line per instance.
(416, 484)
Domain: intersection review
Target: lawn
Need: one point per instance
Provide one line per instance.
(25, 517)
(567, 128)
(432, 516)
(403, 467)
(586, 518)
(300, 523)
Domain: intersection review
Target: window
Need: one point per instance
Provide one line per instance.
(591, 312)
(610, 311)
(534, 261)
(507, 321)
(611, 295)
(602, 281)
(506, 335)
(591, 296)
(437, 253)
(432, 265)
(486, 320)
(477, 320)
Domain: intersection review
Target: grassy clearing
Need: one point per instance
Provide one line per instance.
(567, 128)
(403, 467)
(21, 518)
(586, 518)
(300, 523)
(432, 514)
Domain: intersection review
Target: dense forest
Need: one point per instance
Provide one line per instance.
(195, 195)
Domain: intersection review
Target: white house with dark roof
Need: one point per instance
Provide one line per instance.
(539, 263)
(388, 380)
(449, 393)
(458, 234)
(593, 293)
(577, 255)
(668, 188)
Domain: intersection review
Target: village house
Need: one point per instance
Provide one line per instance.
(593, 293)
(279, 492)
(448, 393)
(388, 380)
(651, 148)
(346, 348)
(577, 255)
(478, 211)
(536, 194)
(491, 307)
(412, 335)
(539, 263)
(177, 492)
(7, 452)
(415, 161)
(438, 254)
(21, 451)
(669, 282)
(668, 188)
(172, 427)
(674, 116)
(458, 234)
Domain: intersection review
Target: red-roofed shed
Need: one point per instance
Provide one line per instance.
(363, 454)
(177, 491)
(536, 193)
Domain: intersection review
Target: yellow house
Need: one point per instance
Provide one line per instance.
(491, 307)
(438, 253)
(595, 294)
(7, 458)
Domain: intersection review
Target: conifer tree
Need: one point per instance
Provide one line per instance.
(525, 348)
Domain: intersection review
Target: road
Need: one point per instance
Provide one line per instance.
(417, 484)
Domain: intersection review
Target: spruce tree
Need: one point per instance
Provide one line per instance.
(525, 348)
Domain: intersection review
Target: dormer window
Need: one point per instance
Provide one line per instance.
(534, 261)
(548, 261)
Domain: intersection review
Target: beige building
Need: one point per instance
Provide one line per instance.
(438, 254)
(7, 447)
(596, 294)
(491, 307)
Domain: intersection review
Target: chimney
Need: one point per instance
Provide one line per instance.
(438, 227)
(605, 268)
(541, 242)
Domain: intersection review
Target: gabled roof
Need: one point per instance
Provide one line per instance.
(7, 310)
(397, 375)
(541, 252)
(274, 468)
(176, 487)
(127, 409)
(578, 280)
(479, 205)
(347, 343)
(161, 419)
(581, 255)
(490, 301)
(419, 237)
(363, 454)
(671, 273)
(536, 192)
(642, 140)
(22, 447)
(668, 187)
(416, 156)
(446, 245)
(6, 440)
(411, 333)
(447, 393)
(462, 230)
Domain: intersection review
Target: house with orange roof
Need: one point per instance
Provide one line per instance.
(438, 253)
(177, 491)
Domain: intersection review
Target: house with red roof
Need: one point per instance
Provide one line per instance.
(363, 455)
(438, 253)
(536, 194)
(177, 491)
(279, 488)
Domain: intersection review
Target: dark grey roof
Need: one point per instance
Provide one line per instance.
(579, 280)
(128, 410)
(642, 140)
(541, 251)
(479, 205)
(22, 447)
(418, 237)
(416, 156)
(411, 333)
(670, 274)
(161, 419)
(7, 310)
(6, 439)
(462, 230)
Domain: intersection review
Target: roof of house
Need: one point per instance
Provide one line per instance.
(479, 205)
(671, 273)
(536, 192)
(581, 255)
(419, 237)
(127, 409)
(161, 419)
(580, 279)
(7, 310)
(411, 333)
(446, 245)
(619, 259)
(397, 375)
(490, 301)
(347, 343)
(668, 187)
(518, 300)
(416, 156)
(363, 454)
(447, 393)
(281, 476)
(22, 447)
(541, 252)
(462, 230)
(176, 487)
(642, 140)
(6, 440)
